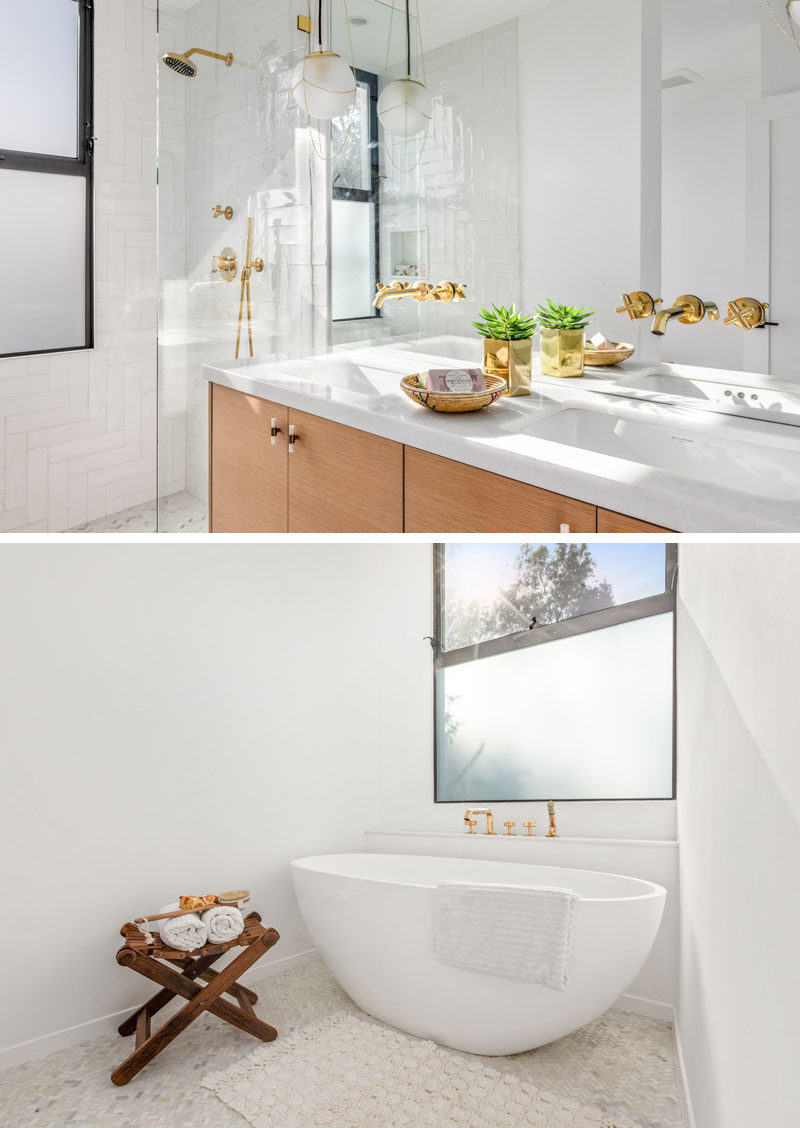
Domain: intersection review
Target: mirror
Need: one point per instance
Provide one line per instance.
(582, 149)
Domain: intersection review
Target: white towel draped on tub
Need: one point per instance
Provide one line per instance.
(514, 931)
(185, 932)
(224, 922)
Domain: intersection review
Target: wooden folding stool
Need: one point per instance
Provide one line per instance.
(137, 954)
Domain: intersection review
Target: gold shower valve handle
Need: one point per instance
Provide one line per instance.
(529, 827)
(257, 265)
(638, 305)
(746, 313)
(220, 211)
(508, 825)
(225, 263)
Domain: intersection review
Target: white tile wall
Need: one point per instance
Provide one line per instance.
(78, 430)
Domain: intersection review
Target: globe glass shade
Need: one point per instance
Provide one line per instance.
(405, 108)
(794, 11)
(323, 85)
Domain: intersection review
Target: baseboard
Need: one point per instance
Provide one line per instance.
(682, 1068)
(636, 1004)
(69, 1036)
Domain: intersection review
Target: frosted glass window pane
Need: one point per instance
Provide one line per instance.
(42, 286)
(39, 77)
(353, 259)
(492, 590)
(584, 717)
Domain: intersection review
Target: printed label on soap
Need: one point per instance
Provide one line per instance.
(456, 380)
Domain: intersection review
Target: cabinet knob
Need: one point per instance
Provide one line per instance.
(565, 528)
(293, 438)
(274, 431)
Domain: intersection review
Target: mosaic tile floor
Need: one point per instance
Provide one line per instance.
(622, 1063)
(175, 513)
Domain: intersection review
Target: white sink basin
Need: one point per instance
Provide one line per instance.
(754, 400)
(716, 449)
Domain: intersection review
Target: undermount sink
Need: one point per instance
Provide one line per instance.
(715, 392)
(715, 450)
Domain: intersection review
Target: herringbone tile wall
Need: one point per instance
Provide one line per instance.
(78, 430)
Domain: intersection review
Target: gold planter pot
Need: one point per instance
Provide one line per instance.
(511, 360)
(562, 351)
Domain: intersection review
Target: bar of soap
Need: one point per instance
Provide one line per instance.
(456, 380)
(600, 342)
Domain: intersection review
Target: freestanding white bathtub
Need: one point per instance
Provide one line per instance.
(372, 919)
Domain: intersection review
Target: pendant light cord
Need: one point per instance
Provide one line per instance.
(319, 24)
(408, 38)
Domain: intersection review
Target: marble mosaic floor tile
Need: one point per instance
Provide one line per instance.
(622, 1063)
(175, 513)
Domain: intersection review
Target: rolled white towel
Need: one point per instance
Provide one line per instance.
(185, 932)
(224, 922)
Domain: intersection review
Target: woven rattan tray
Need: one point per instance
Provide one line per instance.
(453, 401)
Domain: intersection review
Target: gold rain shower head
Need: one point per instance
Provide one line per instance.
(181, 64)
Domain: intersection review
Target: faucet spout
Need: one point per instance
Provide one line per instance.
(397, 290)
(479, 811)
(663, 318)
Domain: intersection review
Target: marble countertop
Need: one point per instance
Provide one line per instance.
(359, 386)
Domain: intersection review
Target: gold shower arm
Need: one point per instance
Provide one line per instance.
(226, 59)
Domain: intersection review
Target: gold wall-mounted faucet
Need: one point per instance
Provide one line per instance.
(421, 292)
(638, 305)
(479, 811)
(688, 309)
(551, 815)
(747, 313)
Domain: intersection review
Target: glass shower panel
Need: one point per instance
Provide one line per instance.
(45, 104)
(230, 138)
(42, 300)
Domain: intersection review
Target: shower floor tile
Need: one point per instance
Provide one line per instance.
(622, 1063)
(175, 513)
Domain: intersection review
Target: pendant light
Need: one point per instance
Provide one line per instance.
(322, 83)
(405, 107)
(792, 20)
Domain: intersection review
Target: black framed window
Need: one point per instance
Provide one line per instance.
(554, 671)
(355, 181)
(46, 177)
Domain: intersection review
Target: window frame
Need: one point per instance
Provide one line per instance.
(372, 194)
(659, 604)
(79, 165)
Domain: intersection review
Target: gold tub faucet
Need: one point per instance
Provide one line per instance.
(479, 811)
(688, 309)
(551, 815)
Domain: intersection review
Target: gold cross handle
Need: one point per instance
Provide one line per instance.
(530, 826)
(746, 313)
(508, 825)
(638, 305)
(471, 823)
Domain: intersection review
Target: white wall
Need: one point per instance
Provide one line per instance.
(178, 720)
(739, 829)
(78, 429)
(590, 112)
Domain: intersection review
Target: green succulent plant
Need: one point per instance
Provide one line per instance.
(505, 324)
(553, 316)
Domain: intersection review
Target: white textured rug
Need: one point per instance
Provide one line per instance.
(348, 1072)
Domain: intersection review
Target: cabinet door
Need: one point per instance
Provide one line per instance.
(610, 522)
(443, 496)
(247, 474)
(342, 480)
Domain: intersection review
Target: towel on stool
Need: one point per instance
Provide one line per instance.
(182, 932)
(514, 931)
(224, 922)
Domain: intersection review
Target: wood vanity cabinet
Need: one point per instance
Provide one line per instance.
(443, 496)
(247, 474)
(336, 480)
(342, 480)
(610, 522)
